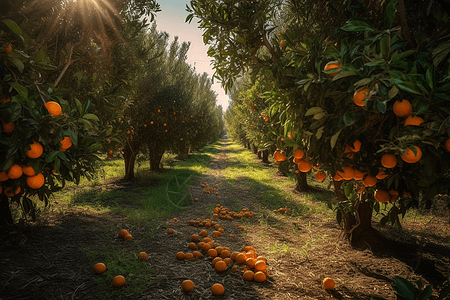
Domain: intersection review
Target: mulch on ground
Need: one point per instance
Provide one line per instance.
(44, 261)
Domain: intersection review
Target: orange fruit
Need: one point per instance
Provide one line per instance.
(381, 174)
(259, 276)
(170, 231)
(128, 237)
(215, 260)
(200, 245)
(279, 155)
(187, 285)
(414, 121)
(394, 195)
(281, 43)
(36, 181)
(359, 96)
(53, 108)
(206, 247)
(358, 175)
(99, 268)
(15, 171)
(402, 108)
(228, 260)
(204, 233)
(382, 196)
(189, 256)
(356, 146)
(9, 49)
(348, 173)
(119, 280)
(220, 266)
(248, 248)
(241, 258)
(338, 176)
(28, 170)
(217, 289)
(225, 253)
(123, 233)
(248, 275)
(9, 191)
(180, 255)
(409, 156)
(143, 256)
(332, 65)
(233, 255)
(197, 254)
(66, 143)
(370, 181)
(250, 262)
(3, 176)
(35, 151)
(211, 252)
(298, 153)
(5, 100)
(192, 246)
(260, 265)
(8, 127)
(389, 160)
(328, 283)
(207, 240)
(304, 166)
(447, 145)
(261, 258)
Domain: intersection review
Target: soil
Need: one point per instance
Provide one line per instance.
(44, 261)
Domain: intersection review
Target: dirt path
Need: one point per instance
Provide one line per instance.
(300, 250)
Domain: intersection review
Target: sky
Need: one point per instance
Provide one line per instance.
(171, 20)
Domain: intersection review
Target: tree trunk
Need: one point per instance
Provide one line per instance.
(302, 183)
(348, 217)
(260, 154)
(155, 154)
(254, 149)
(283, 167)
(130, 151)
(248, 145)
(265, 156)
(6, 219)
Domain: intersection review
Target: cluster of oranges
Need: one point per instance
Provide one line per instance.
(118, 280)
(209, 190)
(282, 210)
(33, 179)
(224, 213)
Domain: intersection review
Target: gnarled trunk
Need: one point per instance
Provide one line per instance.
(265, 156)
(130, 151)
(155, 154)
(302, 183)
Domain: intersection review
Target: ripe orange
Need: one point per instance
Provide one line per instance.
(233, 255)
(304, 166)
(220, 266)
(348, 173)
(28, 170)
(370, 181)
(414, 121)
(259, 276)
(180, 255)
(197, 254)
(36, 181)
(119, 280)
(215, 260)
(260, 265)
(298, 153)
(227, 260)
(9, 191)
(281, 43)
(204, 233)
(250, 262)
(394, 195)
(187, 285)
(206, 247)
(15, 171)
(320, 176)
(3, 176)
(402, 108)
(123, 233)
(338, 176)
(409, 156)
(128, 237)
(382, 196)
(8, 127)
(99, 268)
(189, 256)
(207, 240)
(248, 275)
(35, 151)
(358, 175)
(66, 143)
(447, 145)
(356, 146)
(170, 231)
(332, 65)
(225, 253)
(192, 246)
(211, 252)
(53, 108)
(143, 256)
(248, 248)
(359, 96)
(261, 258)
(217, 289)
(279, 155)
(195, 238)
(389, 160)
(241, 258)
(328, 283)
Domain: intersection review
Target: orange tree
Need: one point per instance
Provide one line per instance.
(48, 136)
(321, 59)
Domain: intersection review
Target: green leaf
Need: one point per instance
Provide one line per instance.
(17, 62)
(357, 24)
(23, 91)
(91, 117)
(375, 62)
(406, 86)
(314, 111)
(385, 43)
(429, 77)
(79, 106)
(363, 82)
(94, 147)
(343, 74)
(13, 26)
(334, 138)
(393, 92)
(52, 156)
(404, 288)
(426, 293)
(349, 118)
(390, 14)
(381, 105)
